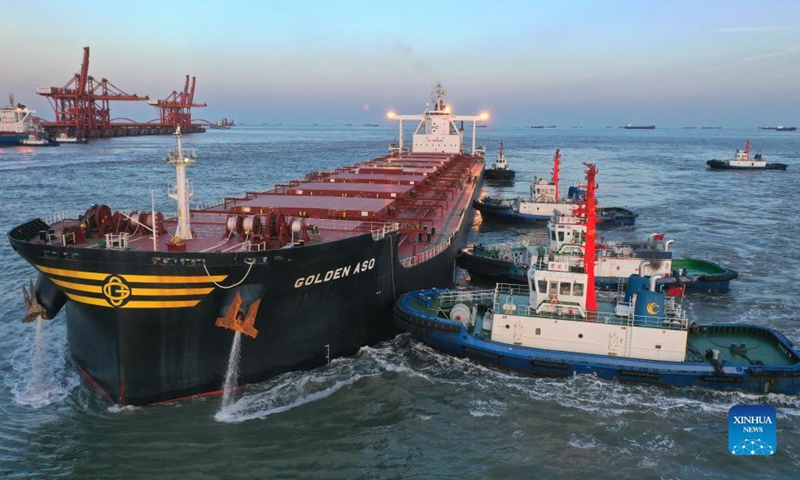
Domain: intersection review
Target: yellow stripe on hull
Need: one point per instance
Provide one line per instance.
(100, 302)
(156, 292)
(78, 286)
(146, 292)
(133, 278)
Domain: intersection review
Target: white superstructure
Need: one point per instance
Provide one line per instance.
(553, 316)
(437, 131)
(16, 118)
(566, 240)
(500, 163)
(743, 159)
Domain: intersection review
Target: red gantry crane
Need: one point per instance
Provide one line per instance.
(81, 106)
(82, 109)
(176, 110)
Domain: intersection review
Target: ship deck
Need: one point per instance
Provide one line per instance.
(424, 196)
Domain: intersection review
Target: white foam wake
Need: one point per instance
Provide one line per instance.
(41, 375)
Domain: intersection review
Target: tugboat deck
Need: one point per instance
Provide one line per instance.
(736, 346)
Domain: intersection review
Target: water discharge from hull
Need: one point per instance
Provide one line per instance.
(37, 372)
(40, 377)
(231, 377)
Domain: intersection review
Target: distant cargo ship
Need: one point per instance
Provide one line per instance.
(779, 128)
(15, 123)
(639, 127)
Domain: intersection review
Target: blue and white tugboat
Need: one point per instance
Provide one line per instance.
(743, 161)
(544, 201)
(559, 326)
(509, 262)
(38, 139)
(499, 170)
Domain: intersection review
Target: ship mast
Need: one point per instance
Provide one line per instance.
(556, 160)
(181, 190)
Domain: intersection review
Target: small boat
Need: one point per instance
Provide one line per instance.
(639, 127)
(509, 262)
(63, 137)
(543, 201)
(537, 126)
(34, 140)
(781, 128)
(223, 124)
(742, 161)
(499, 170)
(556, 326)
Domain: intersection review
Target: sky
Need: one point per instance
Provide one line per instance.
(590, 63)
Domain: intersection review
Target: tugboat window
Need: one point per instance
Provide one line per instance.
(560, 236)
(577, 289)
(553, 235)
(565, 288)
(553, 287)
(542, 286)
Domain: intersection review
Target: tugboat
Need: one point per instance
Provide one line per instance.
(307, 271)
(543, 201)
(499, 170)
(742, 161)
(36, 140)
(64, 137)
(15, 123)
(509, 263)
(559, 326)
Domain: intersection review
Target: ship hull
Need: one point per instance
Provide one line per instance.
(11, 139)
(701, 276)
(312, 304)
(452, 338)
(723, 165)
(501, 212)
(498, 174)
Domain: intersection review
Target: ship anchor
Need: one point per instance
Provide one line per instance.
(33, 309)
(234, 320)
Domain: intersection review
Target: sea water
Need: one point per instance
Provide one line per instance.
(400, 409)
